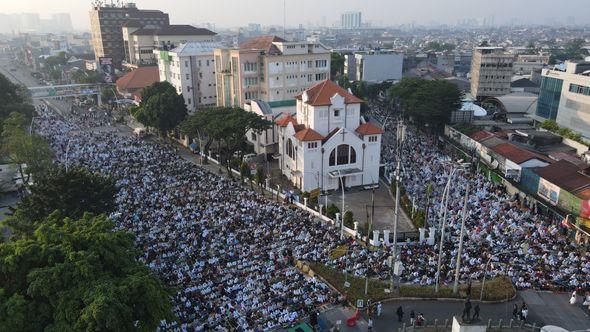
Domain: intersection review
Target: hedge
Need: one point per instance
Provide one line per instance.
(498, 289)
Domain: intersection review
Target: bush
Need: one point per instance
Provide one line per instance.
(348, 219)
(245, 170)
(331, 211)
(419, 218)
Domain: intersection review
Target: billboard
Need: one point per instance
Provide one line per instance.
(548, 191)
(107, 69)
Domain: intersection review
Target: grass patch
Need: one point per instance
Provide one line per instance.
(497, 289)
(339, 252)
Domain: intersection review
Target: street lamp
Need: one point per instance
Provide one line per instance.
(483, 281)
(342, 216)
(458, 166)
(458, 265)
(400, 138)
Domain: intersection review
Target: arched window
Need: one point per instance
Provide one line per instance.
(289, 149)
(342, 155)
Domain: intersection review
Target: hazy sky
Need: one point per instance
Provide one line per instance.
(387, 12)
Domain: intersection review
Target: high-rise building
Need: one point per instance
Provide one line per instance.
(491, 72)
(269, 68)
(106, 24)
(351, 20)
(565, 96)
(62, 22)
(191, 70)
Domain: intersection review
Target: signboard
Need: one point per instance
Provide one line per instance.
(107, 69)
(548, 191)
(585, 209)
(360, 303)
(346, 284)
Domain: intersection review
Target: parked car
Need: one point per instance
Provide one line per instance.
(250, 157)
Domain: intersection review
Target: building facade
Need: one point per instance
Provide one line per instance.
(574, 102)
(190, 68)
(351, 20)
(491, 72)
(106, 23)
(140, 42)
(377, 66)
(270, 69)
(328, 144)
(525, 64)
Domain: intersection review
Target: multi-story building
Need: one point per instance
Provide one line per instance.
(328, 144)
(190, 68)
(374, 66)
(565, 96)
(491, 72)
(269, 68)
(525, 64)
(140, 42)
(106, 24)
(351, 20)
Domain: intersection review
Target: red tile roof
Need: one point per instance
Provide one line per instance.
(285, 120)
(320, 94)
(369, 129)
(513, 153)
(264, 43)
(308, 134)
(481, 135)
(139, 78)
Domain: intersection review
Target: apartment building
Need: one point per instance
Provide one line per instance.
(491, 72)
(141, 41)
(269, 68)
(565, 96)
(351, 20)
(525, 64)
(106, 23)
(190, 68)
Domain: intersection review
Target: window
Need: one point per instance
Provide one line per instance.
(186, 64)
(250, 81)
(312, 145)
(372, 139)
(250, 66)
(320, 76)
(336, 113)
(187, 77)
(290, 150)
(321, 63)
(342, 155)
(189, 101)
(253, 136)
(199, 63)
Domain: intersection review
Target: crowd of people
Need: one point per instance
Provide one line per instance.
(530, 248)
(228, 251)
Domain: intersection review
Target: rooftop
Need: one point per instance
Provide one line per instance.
(264, 43)
(322, 93)
(564, 175)
(308, 134)
(174, 30)
(369, 129)
(139, 78)
(513, 153)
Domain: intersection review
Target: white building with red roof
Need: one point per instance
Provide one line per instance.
(327, 143)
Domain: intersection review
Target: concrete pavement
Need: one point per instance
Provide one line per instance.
(555, 309)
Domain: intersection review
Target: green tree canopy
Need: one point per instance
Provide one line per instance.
(573, 50)
(336, 65)
(30, 153)
(161, 107)
(228, 125)
(427, 102)
(438, 47)
(86, 76)
(13, 98)
(78, 275)
(72, 193)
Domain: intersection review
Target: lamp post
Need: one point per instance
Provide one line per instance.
(444, 200)
(485, 269)
(458, 265)
(341, 221)
(31, 126)
(400, 138)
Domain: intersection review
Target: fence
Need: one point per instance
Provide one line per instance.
(489, 326)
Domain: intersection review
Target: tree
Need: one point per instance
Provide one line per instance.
(343, 81)
(56, 60)
(30, 153)
(78, 275)
(427, 102)
(331, 211)
(336, 64)
(227, 125)
(13, 98)
(484, 43)
(573, 50)
(550, 125)
(161, 107)
(72, 193)
(531, 48)
(86, 76)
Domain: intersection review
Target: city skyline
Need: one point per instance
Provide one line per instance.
(378, 12)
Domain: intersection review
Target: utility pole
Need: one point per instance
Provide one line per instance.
(400, 137)
(458, 265)
(370, 223)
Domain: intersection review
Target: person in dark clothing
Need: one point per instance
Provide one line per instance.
(400, 313)
(476, 312)
(515, 311)
(412, 317)
(466, 311)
